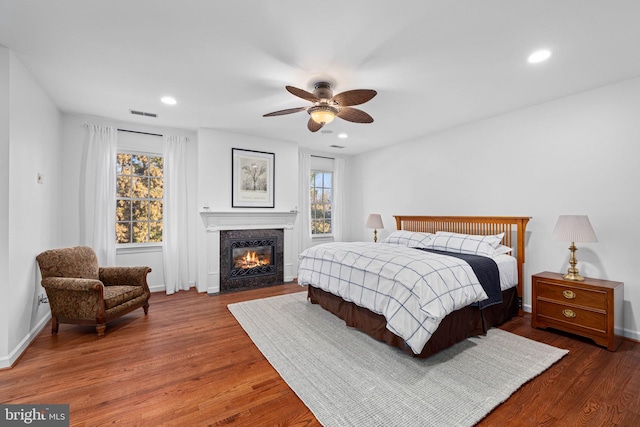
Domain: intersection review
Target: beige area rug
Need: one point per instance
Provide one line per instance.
(347, 378)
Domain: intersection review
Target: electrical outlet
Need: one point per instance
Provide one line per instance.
(42, 299)
(40, 179)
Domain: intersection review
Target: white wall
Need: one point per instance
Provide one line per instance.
(576, 155)
(33, 220)
(73, 149)
(5, 143)
(214, 176)
(214, 169)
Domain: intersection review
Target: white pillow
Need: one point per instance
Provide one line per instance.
(411, 239)
(502, 250)
(465, 243)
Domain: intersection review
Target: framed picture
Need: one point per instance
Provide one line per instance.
(252, 181)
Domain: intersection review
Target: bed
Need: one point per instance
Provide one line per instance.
(425, 328)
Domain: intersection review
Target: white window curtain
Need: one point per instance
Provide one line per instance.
(99, 219)
(338, 199)
(304, 169)
(175, 244)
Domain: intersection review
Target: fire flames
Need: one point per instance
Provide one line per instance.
(251, 260)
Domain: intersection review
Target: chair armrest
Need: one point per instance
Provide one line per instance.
(132, 276)
(74, 298)
(71, 284)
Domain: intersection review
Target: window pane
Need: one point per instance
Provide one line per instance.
(123, 232)
(140, 232)
(155, 211)
(140, 187)
(140, 210)
(140, 165)
(327, 180)
(123, 164)
(155, 189)
(155, 232)
(327, 211)
(123, 186)
(327, 195)
(155, 166)
(318, 180)
(123, 210)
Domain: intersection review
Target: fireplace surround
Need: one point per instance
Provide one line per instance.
(215, 222)
(250, 259)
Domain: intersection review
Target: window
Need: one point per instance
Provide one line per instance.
(139, 184)
(321, 202)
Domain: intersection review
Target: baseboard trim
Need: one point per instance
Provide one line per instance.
(9, 361)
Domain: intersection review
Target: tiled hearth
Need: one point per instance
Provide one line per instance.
(209, 264)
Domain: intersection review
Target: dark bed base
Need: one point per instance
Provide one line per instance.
(457, 326)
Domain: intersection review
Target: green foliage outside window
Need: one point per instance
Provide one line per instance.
(321, 201)
(139, 185)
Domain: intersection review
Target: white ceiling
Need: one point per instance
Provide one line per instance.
(435, 64)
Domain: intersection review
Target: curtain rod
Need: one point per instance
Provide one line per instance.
(135, 131)
(323, 157)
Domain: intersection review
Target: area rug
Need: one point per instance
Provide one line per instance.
(347, 378)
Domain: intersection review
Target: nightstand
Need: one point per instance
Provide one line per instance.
(590, 308)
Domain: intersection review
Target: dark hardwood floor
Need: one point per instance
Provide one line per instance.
(189, 363)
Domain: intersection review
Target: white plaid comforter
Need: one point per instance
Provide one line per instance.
(414, 290)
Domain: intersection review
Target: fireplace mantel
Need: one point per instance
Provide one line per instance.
(244, 220)
(216, 221)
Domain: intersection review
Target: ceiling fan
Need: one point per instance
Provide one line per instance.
(326, 106)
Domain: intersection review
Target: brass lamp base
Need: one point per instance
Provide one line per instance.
(572, 272)
(573, 276)
(375, 236)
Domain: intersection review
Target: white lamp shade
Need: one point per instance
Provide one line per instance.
(374, 221)
(574, 228)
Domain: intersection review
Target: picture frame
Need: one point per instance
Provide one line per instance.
(253, 179)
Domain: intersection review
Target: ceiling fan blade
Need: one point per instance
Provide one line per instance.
(313, 126)
(283, 112)
(302, 94)
(354, 115)
(354, 97)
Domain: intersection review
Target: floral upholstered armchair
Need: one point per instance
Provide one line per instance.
(79, 291)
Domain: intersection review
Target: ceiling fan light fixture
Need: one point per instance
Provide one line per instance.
(323, 114)
(325, 106)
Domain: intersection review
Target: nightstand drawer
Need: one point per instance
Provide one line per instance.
(572, 295)
(574, 316)
(591, 308)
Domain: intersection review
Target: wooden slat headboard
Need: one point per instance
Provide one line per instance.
(513, 228)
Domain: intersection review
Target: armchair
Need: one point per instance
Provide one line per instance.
(79, 291)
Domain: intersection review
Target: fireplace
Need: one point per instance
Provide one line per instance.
(250, 259)
(216, 223)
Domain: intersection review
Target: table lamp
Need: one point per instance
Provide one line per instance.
(574, 228)
(374, 221)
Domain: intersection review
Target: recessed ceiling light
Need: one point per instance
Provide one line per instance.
(539, 56)
(343, 135)
(168, 100)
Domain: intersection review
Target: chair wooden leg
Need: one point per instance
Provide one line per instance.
(100, 328)
(146, 308)
(54, 325)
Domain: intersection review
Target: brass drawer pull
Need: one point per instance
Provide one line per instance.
(568, 313)
(568, 294)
